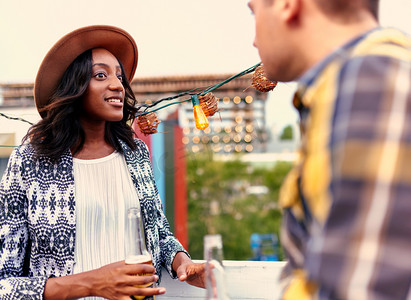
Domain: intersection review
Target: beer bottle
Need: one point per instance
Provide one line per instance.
(137, 252)
(215, 275)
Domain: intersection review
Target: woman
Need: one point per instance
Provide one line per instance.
(65, 192)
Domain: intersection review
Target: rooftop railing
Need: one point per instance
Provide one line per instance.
(245, 280)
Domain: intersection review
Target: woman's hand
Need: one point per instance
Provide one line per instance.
(193, 274)
(188, 271)
(114, 281)
(118, 281)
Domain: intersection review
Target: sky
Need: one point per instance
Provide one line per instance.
(174, 37)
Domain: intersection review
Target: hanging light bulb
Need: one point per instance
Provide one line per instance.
(199, 116)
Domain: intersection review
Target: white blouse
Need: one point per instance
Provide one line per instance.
(104, 192)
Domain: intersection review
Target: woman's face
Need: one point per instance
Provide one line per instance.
(104, 98)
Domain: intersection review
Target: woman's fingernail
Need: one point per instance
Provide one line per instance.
(162, 291)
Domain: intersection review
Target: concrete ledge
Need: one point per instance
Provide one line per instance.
(245, 280)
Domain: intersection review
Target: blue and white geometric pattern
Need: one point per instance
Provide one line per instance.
(38, 219)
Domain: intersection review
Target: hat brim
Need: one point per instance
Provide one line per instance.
(65, 51)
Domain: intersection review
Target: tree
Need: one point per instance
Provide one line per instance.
(218, 202)
(287, 133)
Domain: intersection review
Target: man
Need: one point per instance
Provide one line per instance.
(347, 210)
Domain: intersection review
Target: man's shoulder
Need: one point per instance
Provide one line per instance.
(385, 42)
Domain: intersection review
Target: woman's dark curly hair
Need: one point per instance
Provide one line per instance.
(60, 129)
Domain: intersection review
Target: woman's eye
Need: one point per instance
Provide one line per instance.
(100, 75)
(120, 77)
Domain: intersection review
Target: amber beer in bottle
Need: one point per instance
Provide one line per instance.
(137, 251)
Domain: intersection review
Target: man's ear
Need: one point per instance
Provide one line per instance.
(290, 9)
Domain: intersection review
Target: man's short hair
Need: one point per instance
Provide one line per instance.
(348, 7)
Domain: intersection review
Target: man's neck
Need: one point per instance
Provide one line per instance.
(325, 35)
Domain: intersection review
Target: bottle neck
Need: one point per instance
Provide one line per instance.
(213, 247)
(137, 251)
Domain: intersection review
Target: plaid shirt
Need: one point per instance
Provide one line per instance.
(347, 201)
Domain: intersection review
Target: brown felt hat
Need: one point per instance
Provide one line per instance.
(66, 50)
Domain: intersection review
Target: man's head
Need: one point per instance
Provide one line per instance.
(293, 35)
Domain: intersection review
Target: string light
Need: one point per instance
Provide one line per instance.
(261, 82)
(249, 148)
(238, 148)
(206, 100)
(199, 116)
(15, 119)
(148, 123)
(185, 140)
(238, 128)
(208, 103)
(248, 99)
(237, 100)
(238, 119)
(205, 139)
(226, 100)
(196, 140)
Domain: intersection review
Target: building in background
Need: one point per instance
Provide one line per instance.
(16, 102)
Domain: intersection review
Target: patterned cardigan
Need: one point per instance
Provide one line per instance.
(38, 219)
